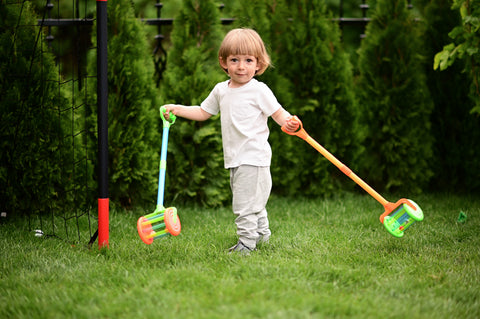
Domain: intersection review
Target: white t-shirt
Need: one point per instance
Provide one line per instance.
(244, 112)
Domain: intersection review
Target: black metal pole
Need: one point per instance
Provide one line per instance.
(102, 121)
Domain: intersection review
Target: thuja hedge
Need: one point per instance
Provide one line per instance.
(41, 159)
(376, 121)
(395, 100)
(375, 116)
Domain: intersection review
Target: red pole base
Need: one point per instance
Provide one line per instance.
(103, 212)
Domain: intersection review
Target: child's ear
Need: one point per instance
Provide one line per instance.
(222, 63)
(257, 68)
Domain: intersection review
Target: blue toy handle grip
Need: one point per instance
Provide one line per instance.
(167, 123)
(163, 154)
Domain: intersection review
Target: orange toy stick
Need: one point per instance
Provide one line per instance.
(389, 207)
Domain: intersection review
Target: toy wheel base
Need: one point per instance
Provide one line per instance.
(416, 214)
(392, 224)
(172, 221)
(144, 231)
(392, 227)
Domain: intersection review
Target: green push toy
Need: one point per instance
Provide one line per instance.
(163, 221)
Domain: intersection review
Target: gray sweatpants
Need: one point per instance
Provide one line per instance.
(251, 186)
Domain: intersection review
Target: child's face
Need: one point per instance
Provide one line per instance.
(241, 68)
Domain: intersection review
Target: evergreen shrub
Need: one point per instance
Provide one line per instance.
(396, 104)
(320, 70)
(39, 155)
(456, 131)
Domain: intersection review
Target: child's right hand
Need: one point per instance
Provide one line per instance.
(168, 108)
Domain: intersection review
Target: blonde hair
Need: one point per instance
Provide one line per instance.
(245, 42)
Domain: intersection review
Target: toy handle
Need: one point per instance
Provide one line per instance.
(342, 167)
(300, 132)
(167, 123)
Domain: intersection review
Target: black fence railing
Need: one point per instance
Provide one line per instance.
(159, 21)
(159, 52)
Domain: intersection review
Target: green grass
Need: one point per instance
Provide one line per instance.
(327, 259)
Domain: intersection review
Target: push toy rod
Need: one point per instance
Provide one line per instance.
(163, 155)
(400, 215)
(342, 167)
(163, 221)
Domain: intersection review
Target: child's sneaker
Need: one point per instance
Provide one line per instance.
(240, 248)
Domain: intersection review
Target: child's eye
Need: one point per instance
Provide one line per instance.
(234, 59)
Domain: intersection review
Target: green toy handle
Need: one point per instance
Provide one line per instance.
(167, 123)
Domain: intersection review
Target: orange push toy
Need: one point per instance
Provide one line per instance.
(397, 216)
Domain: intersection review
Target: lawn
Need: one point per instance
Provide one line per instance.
(327, 258)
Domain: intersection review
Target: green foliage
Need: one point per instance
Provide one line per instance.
(195, 165)
(395, 100)
(38, 157)
(455, 129)
(465, 46)
(311, 76)
(134, 136)
(322, 79)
